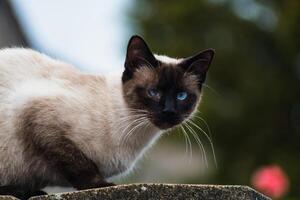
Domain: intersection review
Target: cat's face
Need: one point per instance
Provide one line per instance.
(166, 90)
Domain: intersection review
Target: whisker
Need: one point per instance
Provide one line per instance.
(189, 142)
(179, 128)
(129, 121)
(209, 139)
(206, 124)
(134, 123)
(130, 124)
(129, 112)
(213, 90)
(200, 144)
(132, 117)
(133, 129)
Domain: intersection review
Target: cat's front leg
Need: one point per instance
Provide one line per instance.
(21, 192)
(96, 182)
(65, 157)
(47, 139)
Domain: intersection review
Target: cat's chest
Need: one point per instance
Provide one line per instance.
(117, 164)
(114, 159)
(112, 143)
(110, 159)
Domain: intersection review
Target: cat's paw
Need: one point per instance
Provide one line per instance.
(39, 193)
(106, 184)
(96, 182)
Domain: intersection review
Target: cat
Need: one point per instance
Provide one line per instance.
(62, 127)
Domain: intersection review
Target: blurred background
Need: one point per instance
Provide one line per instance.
(251, 99)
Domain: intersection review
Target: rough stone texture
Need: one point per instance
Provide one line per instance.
(159, 191)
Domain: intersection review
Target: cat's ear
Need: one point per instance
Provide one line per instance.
(138, 54)
(199, 63)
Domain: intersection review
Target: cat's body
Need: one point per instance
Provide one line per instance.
(92, 105)
(59, 126)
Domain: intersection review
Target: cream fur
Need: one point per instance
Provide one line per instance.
(168, 60)
(92, 105)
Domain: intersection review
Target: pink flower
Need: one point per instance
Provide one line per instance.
(271, 180)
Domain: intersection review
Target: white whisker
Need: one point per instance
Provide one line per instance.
(200, 144)
(143, 122)
(213, 90)
(206, 124)
(209, 139)
(126, 133)
(189, 142)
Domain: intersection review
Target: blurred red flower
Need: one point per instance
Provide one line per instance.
(271, 180)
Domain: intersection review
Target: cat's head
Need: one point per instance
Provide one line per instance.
(166, 90)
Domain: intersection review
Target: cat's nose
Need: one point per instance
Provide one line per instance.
(168, 110)
(169, 107)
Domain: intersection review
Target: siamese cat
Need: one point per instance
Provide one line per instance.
(62, 127)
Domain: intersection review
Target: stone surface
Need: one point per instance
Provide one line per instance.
(160, 191)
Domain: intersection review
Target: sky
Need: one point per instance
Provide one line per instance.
(90, 34)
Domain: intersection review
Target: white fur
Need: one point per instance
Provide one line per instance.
(168, 60)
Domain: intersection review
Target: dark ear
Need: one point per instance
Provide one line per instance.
(199, 63)
(138, 54)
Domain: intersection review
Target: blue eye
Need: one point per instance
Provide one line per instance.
(153, 93)
(181, 96)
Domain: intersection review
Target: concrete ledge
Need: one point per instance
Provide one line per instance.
(159, 191)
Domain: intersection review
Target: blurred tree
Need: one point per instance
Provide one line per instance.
(255, 117)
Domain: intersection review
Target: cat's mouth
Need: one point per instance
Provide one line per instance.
(165, 122)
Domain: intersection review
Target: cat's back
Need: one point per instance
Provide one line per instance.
(24, 72)
(19, 64)
(26, 76)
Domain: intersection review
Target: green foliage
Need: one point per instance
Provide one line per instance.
(255, 112)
